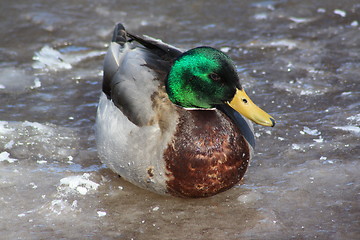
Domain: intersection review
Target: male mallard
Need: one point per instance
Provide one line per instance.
(166, 119)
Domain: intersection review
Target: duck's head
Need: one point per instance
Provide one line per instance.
(204, 77)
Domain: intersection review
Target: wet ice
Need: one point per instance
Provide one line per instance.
(299, 61)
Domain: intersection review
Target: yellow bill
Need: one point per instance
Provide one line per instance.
(243, 104)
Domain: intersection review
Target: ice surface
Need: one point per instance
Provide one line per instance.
(298, 60)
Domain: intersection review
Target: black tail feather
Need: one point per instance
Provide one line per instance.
(119, 35)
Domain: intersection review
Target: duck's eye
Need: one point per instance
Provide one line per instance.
(214, 77)
(245, 100)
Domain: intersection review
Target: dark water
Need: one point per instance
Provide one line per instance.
(299, 60)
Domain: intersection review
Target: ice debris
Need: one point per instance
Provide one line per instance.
(17, 80)
(300, 20)
(59, 205)
(318, 140)
(5, 156)
(353, 129)
(340, 12)
(355, 118)
(285, 43)
(38, 126)
(312, 132)
(37, 83)
(80, 184)
(295, 146)
(250, 197)
(10, 144)
(101, 214)
(3, 129)
(49, 58)
(225, 49)
(354, 23)
(260, 16)
(37, 141)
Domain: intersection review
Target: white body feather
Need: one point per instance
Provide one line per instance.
(133, 151)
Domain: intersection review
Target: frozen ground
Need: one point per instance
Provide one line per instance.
(299, 61)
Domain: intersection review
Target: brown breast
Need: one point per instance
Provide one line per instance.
(207, 155)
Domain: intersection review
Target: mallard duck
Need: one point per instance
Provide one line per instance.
(172, 121)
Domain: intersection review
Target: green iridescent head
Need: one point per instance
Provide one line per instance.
(202, 78)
